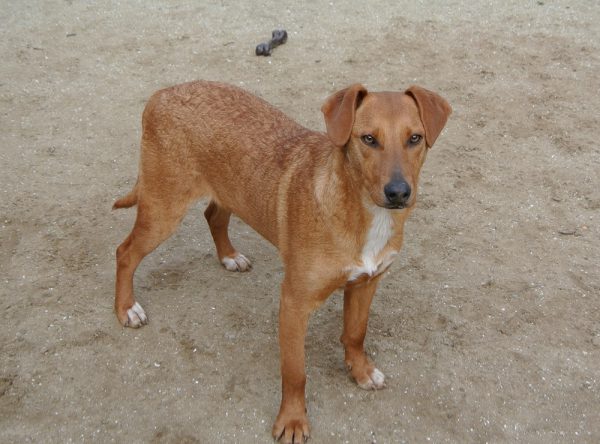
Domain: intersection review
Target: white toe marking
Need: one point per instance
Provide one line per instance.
(237, 263)
(378, 378)
(229, 264)
(137, 316)
(242, 262)
(376, 381)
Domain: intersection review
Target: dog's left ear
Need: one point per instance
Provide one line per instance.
(339, 110)
(433, 109)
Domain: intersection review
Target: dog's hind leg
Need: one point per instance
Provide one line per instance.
(156, 220)
(218, 222)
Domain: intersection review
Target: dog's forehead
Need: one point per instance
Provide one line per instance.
(397, 107)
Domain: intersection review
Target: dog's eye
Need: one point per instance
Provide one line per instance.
(415, 139)
(369, 140)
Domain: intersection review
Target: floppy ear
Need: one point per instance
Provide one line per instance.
(433, 109)
(339, 110)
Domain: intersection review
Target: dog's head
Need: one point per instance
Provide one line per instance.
(386, 136)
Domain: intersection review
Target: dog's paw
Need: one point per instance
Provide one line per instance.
(237, 262)
(136, 317)
(291, 429)
(373, 381)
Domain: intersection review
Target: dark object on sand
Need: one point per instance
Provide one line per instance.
(279, 37)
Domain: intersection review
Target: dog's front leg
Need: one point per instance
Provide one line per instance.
(357, 302)
(294, 311)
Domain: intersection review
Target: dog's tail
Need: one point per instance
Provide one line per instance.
(128, 200)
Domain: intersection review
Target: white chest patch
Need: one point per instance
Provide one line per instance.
(381, 231)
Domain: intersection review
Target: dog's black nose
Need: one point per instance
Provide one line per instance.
(397, 193)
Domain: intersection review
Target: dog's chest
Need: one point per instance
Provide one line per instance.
(375, 257)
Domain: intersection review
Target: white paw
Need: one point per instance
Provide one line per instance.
(136, 317)
(239, 262)
(376, 381)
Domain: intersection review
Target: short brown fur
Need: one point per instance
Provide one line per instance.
(314, 196)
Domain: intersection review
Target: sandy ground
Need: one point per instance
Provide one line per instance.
(487, 327)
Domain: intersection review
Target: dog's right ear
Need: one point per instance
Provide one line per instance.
(339, 110)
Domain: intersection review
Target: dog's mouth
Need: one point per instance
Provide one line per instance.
(399, 206)
(395, 206)
(392, 205)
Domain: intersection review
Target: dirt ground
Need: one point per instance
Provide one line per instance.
(487, 326)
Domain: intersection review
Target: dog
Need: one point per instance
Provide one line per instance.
(334, 203)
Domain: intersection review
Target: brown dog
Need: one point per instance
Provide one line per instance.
(333, 204)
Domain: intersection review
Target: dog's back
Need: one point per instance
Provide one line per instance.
(212, 123)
